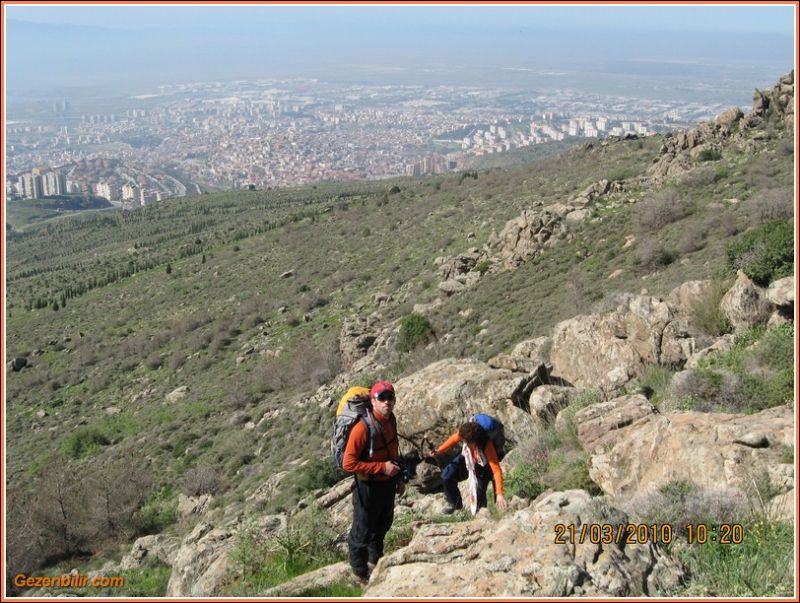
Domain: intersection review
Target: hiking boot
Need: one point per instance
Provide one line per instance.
(449, 508)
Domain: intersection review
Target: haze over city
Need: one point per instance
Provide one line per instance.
(176, 100)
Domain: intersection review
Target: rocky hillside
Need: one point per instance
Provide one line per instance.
(626, 309)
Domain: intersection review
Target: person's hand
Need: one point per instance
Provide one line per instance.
(401, 487)
(390, 468)
(501, 503)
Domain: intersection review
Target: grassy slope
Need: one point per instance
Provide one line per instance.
(146, 334)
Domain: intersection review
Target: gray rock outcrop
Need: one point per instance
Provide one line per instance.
(202, 565)
(635, 449)
(681, 151)
(518, 557)
(356, 337)
(745, 303)
(147, 548)
(434, 401)
(606, 351)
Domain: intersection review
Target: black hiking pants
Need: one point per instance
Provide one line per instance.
(373, 513)
(456, 471)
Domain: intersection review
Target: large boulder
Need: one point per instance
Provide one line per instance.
(457, 265)
(356, 337)
(745, 304)
(776, 103)
(18, 363)
(598, 424)
(525, 236)
(781, 293)
(525, 357)
(434, 401)
(450, 287)
(177, 394)
(193, 505)
(685, 297)
(606, 351)
(641, 450)
(518, 557)
(547, 401)
(149, 548)
(729, 116)
(202, 566)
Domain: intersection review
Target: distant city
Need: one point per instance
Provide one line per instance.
(184, 139)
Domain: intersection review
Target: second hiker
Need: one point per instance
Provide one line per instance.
(476, 442)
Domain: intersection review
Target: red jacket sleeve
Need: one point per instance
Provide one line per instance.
(494, 465)
(358, 439)
(451, 441)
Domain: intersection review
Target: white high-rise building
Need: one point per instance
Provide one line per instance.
(31, 185)
(129, 192)
(105, 190)
(54, 183)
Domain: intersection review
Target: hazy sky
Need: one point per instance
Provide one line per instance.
(761, 18)
(49, 46)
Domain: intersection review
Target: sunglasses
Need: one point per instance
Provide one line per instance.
(385, 396)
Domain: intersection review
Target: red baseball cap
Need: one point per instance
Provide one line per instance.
(380, 387)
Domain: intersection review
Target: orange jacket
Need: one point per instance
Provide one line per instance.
(491, 458)
(359, 440)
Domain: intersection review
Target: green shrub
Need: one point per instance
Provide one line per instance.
(707, 390)
(483, 266)
(573, 474)
(622, 173)
(522, 481)
(305, 545)
(769, 390)
(776, 348)
(757, 373)
(84, 442)
(710, 155)
(705, 312)
(681, 503)
(761, 566)
(397, 537)
(148, 581)
(158, 512)
(766, 253)
(653, 255)
(415, 330)
(317, 473)
(655, 383)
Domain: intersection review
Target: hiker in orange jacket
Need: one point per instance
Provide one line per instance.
(487, 467)
(377, 480)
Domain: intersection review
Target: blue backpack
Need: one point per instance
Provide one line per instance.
(495, 430)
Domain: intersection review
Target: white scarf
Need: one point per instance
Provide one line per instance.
(472, 478)
(465, 450)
